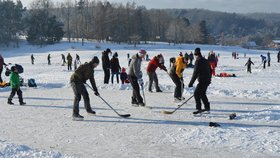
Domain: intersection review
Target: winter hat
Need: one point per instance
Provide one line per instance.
(142, 52)
(13, 68)
(197, 52)
(115, 55)
(95, 60)
(123, 69)
(108, 50)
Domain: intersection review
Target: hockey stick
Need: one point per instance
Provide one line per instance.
(125, 115)
(171, 112)
(142, 87)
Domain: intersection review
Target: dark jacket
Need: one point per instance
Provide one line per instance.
(212, 58)
(115, 65)
(83, 73)
(69, 59)
(249, 63)
(105, 61)
(202, 71)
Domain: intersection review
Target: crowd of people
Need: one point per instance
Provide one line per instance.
(204, 69)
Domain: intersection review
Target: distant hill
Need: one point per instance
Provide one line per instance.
(231, 23)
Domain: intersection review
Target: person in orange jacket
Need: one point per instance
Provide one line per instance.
(176, 74)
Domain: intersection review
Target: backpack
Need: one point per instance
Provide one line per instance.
(31, 83)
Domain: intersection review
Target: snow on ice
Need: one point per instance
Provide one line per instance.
(44, 128)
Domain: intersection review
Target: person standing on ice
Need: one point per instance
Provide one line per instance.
(201, 72)
(248, 64)
(69, 62)
(2, 63)
(135, 77)
(63, 59)
(49, 59)
(278, 57)
(157, 61)
(32, 59)
(106, 65)
(115, 67)
(78, 79)
(268, 59)
(213, 62)
(15, 85)
(263, 60)
(176, 74)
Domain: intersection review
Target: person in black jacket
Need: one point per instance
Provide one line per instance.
(248, 64)
(115, 67)
(202, 72)
(106, 65)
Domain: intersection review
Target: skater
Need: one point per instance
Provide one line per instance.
(201, 72)
(106, 65)
(32, 59)
(15, 85)
(157, 61)
(263, 61)
(213, 62)
(248, 64)
(77, 80)
(115, 67)
(124, 78)
(268, 59)
(69, 62)
(49, 59)
(278, 57)
(135, 77)
(1, 67)
(191, 59)
(63, 59)
(78, 59)
(176, 74)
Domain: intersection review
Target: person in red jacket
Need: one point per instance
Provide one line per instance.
(157, 61)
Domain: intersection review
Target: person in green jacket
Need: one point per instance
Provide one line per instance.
(77, 80)
(15, 85)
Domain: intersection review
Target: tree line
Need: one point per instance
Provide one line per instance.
(47, 23)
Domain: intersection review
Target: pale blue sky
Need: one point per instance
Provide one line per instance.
(239, 6)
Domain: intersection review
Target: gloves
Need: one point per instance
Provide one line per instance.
(96, 93)
(141, 82)
(190, 85)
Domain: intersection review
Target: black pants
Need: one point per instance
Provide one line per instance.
(19, 93)
(178, 85)
(249, 69)
(1, 75)
(136, 89)
(106, 76)
(264, 64)
(268, 62)
(153, 78)
(112, 77)
(79, 90)
(200, 94)
(69, 66)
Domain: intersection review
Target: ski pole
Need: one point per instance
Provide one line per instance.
(171, 112)
(125, 115)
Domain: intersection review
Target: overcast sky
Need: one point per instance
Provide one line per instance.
(238, 6)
